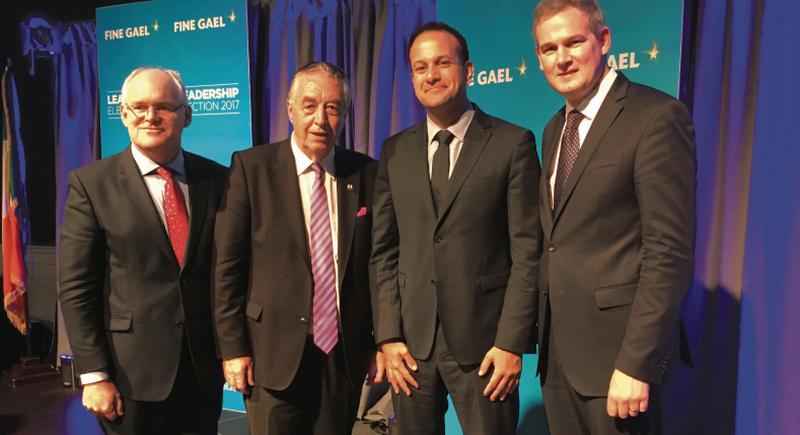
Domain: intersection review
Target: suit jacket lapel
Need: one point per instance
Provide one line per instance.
(415, 161)
(475, 141)
(605, 117)
(348, 184)
(549, 145)
(198, 200)
(134, 186)
(286, 188)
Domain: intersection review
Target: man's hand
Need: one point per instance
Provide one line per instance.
(103, 400)
(377, 370)
(627, 396)
(398, 361)
(239, 373)
(505, 376)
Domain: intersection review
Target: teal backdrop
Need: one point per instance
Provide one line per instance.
(206, 41)
(645, 46)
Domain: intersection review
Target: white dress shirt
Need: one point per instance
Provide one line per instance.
(459, 130)
(305, 179)
(588, 108)
(155, 185)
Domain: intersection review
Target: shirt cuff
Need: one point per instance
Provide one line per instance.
(92, 377)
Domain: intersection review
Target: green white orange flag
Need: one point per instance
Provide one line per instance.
(15, 222)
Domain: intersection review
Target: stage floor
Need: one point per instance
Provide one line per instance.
(49, 408)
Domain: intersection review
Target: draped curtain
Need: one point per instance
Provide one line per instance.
(72, 49)
(741, 313)
(368, 39)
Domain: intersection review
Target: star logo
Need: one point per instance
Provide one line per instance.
(522, 68)
(653, 52)
(155, 26)
(232, 16)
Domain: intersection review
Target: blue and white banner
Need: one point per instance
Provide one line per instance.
(205, 41)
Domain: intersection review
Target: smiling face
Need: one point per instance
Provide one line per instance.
(439, 75)
(316, 111)
(570, 54)
(157, 134)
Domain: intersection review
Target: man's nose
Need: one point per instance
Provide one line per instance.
(320, 116)
(151, 115)
(563, 56)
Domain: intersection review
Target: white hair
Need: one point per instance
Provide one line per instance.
(174, 75)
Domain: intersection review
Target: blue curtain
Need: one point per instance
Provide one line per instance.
(72, 50)
(368, 39)
(741, 312)
(769, 356)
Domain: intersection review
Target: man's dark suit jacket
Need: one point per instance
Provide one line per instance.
(126, 302)
(263, 273)
(617, 258)
(474, 266)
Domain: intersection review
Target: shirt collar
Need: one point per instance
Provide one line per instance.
(459, 129)
(591, 104)
(304, 163)
(147, 166)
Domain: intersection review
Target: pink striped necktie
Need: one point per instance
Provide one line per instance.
(326, 324)
(176, 214)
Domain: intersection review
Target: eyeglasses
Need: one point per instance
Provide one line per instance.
(159, 109)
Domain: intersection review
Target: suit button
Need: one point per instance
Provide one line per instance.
(303, 319)
(552, 248)
(184, 280)
(544, 291)
(438, 239)
(433, 283)
(179, 323)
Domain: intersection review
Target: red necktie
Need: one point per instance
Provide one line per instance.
(176, 214)
(326, 325)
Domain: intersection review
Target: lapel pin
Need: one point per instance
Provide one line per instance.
(349, 187)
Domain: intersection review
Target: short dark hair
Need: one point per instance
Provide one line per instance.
(463, 50)
(548, 8)
(328, 68)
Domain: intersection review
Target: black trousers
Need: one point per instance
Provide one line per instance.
(319, 401)
(423, 412)
(570, 413)
(189, 409)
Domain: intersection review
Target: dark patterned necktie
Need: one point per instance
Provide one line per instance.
(326, 326)
(440, 168)
(570, 145)
(175, 213)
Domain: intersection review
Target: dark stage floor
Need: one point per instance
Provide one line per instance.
(49, 408)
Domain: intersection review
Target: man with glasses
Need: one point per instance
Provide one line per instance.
(134, 271)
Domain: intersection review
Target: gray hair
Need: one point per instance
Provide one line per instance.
(548, 8)
(174, 75)
(331, 70)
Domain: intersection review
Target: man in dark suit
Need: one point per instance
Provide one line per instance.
(292, 288)
(455, 250)
(617, 205)
(134, 280)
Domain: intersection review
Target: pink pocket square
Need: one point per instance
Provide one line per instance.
(361, 212)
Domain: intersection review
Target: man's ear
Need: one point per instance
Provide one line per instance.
(124, 115)
(470, 67)
(187, 118)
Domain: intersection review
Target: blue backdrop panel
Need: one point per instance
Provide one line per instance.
(206, 41)
(645, 46)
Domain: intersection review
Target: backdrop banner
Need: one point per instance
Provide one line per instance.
(645, 46)
(204, 40)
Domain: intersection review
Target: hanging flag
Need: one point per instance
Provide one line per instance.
(15, 214)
